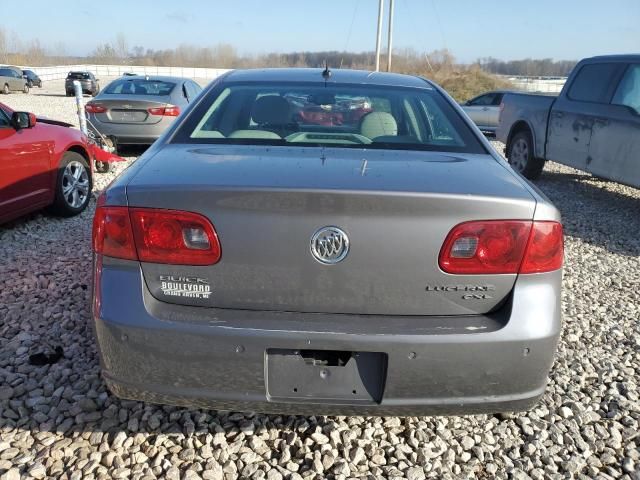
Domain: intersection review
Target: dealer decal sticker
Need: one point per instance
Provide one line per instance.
(185, 287)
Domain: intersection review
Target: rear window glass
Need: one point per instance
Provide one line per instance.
(299, 114)
(593, 82)
(79, 76)
(140, 87)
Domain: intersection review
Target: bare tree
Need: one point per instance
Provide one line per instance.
(4, 47)
(121, 47)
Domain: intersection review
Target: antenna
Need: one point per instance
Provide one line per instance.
(326, 73)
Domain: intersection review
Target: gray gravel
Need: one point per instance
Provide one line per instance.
(59, 421)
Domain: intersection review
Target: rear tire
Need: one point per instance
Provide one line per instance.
(25, 89)
(30, 83)
(521, 156)
(73, 186)
(5, 89)
(102, 167)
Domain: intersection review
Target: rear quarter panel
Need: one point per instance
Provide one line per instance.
(526, 109)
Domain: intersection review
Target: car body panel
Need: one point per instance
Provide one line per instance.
(578, 133)
(361, 193)
(29, 160)
(215, 358)
(387, 298)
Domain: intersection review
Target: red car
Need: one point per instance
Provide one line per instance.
(43, 163)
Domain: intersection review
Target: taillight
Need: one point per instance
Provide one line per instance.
(112, 233)
(170, 236)
(502, 247)
(94, 108)
(167, 111)
(157, 236)
(545, 250)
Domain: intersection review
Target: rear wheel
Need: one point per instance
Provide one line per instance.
(73, 186)
(30, 83)
(25, 89)
(5, 89)
(102, 167)
(521, 156)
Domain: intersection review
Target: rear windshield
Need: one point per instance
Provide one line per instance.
(345, 115)
(140, 87)
(79, 76)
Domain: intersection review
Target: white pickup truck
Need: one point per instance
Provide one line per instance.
(593, 125)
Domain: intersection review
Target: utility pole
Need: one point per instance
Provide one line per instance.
(379, 34)
(390, 36)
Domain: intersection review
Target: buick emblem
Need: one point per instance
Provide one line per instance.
(329, 245)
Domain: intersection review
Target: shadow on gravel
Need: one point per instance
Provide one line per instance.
(600, 212)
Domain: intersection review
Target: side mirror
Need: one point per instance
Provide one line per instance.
(21, 120)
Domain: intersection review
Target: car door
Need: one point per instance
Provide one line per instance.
(615, 137)
(25, 176)
(478, 109)
(17, 80)
(572, 115)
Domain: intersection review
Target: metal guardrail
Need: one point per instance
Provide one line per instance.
(60, 71)
(536, 83)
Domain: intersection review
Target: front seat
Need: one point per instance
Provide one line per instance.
(272, 113)
(378, 124)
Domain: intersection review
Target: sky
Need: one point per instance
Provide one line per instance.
(471, 29)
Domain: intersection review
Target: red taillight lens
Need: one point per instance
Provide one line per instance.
(152, 235)
(112, 233)
(545, 251)
(502, 247)
(487, 247)
(93, 108)
(175, 237)
(167, 111)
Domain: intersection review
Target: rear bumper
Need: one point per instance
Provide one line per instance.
(129, 133)
(215, 358)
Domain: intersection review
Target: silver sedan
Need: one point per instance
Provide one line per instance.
(346, 242)
(138, 109)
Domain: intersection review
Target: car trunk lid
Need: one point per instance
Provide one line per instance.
(266, 203)
(124, 109)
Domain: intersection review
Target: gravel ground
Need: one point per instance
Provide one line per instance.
(59, 421)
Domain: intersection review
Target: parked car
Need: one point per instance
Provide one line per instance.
(388, 265)
(90, 84)
(11, 79)
(484, 110)
(32, 78)
(593, 125)
(136, 110)
(44, 164)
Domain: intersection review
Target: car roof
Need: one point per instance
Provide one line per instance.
(338, 75)
(623, 57)
(161, 78)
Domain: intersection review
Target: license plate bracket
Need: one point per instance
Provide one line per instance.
(325, 376)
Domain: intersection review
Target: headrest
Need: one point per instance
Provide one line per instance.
(377, 124)
(271, 109)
